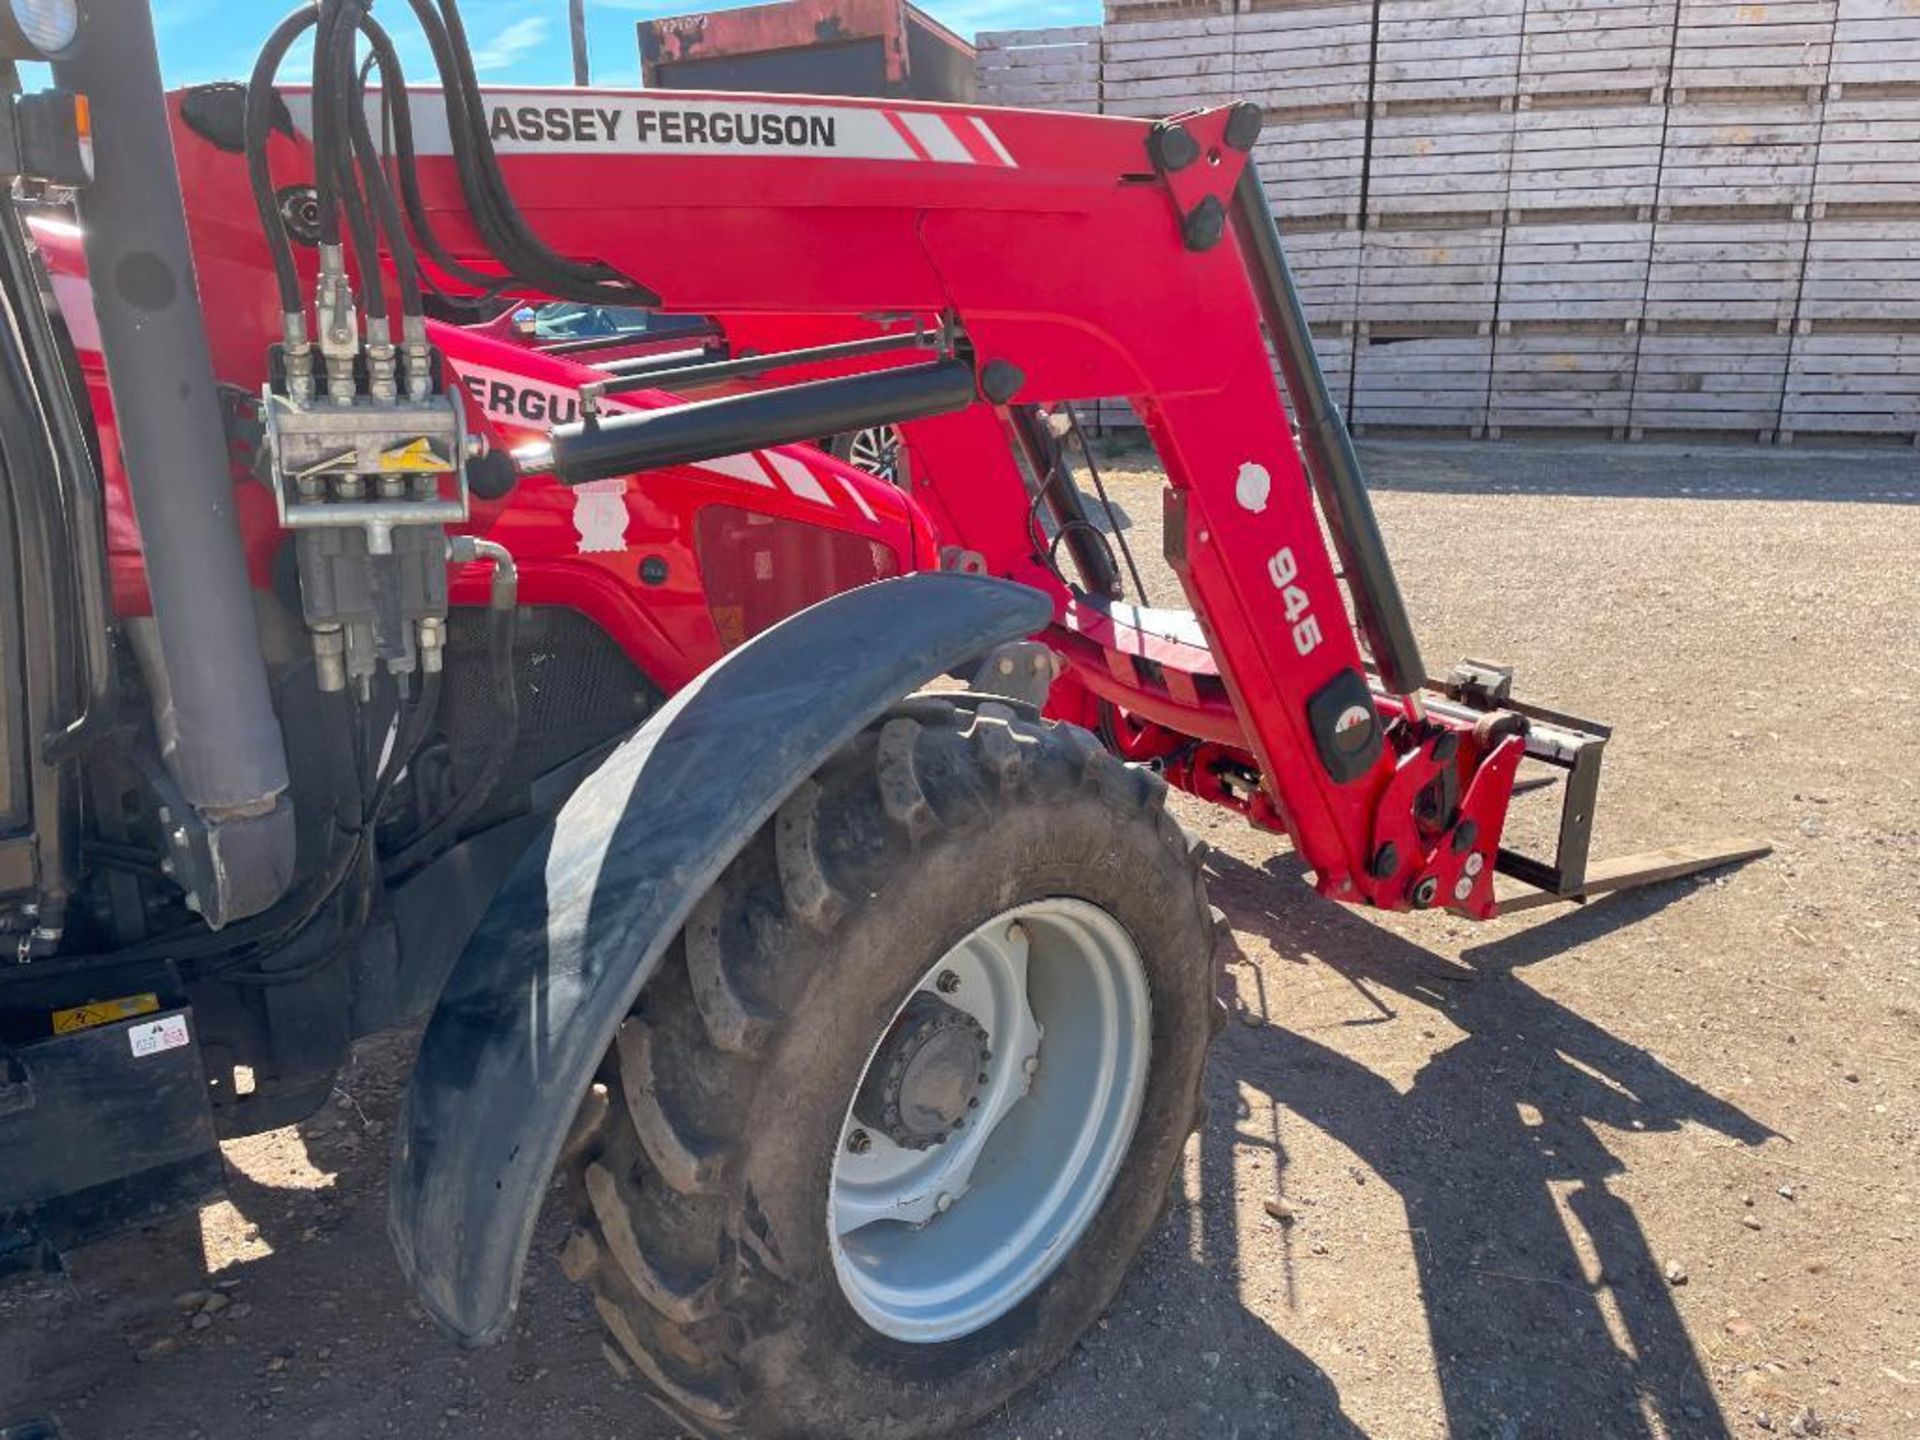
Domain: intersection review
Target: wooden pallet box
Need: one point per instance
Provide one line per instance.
(1439, 162)
(1737, 272)
(1333, 346)
(1325, 265)
(1040, 69)
(1736, 44)
(1748, 153)
(1875, 42)
(1575, 274)
(1594, 46)
(1298, 56)
(1158, 67)
(1869, 152)
(1845, 386)
(1697, 384)
(1862, 272)
(1578, 380)
(1127, 12)
(1407, 382)
(1312, 167)
(1448, 50)
(1447, 277)
(1585, 157)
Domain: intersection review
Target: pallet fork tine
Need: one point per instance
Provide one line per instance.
(1631, 872)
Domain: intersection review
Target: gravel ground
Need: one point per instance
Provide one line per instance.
(1642, 1168)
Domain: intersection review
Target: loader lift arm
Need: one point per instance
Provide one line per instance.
(1078, 257)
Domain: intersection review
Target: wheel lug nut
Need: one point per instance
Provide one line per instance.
(1030, 1064)
(947, 983)
(859, 1142)
(1016, 933)
(944, 1203)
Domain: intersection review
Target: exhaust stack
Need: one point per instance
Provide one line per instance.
(233, 847)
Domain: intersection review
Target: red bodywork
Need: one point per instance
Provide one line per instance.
(1055, 246)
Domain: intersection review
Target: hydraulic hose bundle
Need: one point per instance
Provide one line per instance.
(352, 185)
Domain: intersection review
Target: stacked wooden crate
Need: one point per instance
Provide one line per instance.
(1585, 173)
(1439, 156)
(1160, 59)
(1854, 366)
(1040, 69)
(1729, 242)
(1640, 217)
(1306, 64)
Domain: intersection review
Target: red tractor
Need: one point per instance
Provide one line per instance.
(362, 666)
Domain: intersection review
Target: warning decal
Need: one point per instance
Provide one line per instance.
(103, 1012)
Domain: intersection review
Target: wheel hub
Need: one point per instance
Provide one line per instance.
(995, 1111)
(927, 1075)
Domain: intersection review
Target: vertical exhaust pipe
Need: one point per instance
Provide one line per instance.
(220, 737)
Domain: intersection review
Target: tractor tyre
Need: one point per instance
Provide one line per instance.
(908, 1094)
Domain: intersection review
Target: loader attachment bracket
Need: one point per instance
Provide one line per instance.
(581, 923)
(1573, 747)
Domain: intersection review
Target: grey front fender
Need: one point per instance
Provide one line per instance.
(581, 923)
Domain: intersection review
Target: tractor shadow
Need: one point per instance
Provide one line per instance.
(1497, 1152)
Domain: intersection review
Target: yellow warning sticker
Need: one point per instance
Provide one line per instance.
(103, 1012)
(416, 457)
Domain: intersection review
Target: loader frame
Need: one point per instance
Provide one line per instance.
(840, 211)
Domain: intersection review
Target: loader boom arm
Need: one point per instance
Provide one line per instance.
(1075, 257)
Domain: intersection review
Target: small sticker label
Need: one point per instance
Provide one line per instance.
(167, 1033)
(1253, 486)
(600, 515)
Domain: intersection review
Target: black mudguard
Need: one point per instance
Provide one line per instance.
(581, 923)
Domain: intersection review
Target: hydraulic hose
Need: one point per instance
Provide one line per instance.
(381, 195)
(400, 114)
(501, 627)
(333, 99)
(259, 124)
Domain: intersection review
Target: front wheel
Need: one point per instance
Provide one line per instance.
(908, 1094)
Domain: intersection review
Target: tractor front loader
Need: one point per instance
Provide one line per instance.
(365, 662)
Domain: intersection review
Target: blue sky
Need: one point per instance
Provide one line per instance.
(514, 41)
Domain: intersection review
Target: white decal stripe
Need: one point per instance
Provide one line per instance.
(798, 477)
(993, 141)
(853, 493)
(738, 467)
(939, 142)
(523, 123)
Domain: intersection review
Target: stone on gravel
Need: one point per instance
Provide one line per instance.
(1676, 1273)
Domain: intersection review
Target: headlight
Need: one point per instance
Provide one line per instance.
(38, 29)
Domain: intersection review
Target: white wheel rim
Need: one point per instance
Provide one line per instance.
(933, 1244)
